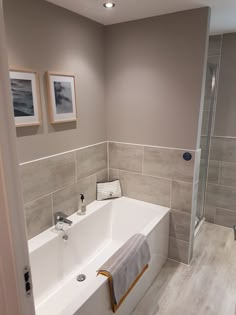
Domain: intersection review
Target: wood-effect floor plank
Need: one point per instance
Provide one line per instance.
(206, 287)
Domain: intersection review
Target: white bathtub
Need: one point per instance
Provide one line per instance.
(93, 238)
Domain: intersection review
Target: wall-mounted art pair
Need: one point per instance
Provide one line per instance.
(26, 97)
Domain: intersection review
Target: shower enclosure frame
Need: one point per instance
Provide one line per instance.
(210, 129)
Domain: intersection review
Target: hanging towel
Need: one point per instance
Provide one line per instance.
(125, 268)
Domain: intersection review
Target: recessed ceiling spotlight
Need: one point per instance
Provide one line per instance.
(109, 5)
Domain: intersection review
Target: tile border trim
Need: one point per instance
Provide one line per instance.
(153, 146)
(107, 142)
(61, 153)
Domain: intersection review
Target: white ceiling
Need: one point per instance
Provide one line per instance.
(223, 19)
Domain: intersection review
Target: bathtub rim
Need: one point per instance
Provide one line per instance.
(50, 234)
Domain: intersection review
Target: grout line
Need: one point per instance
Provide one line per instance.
(91, 175)
(166, 178)
(62, 188)
(225, 209)
(38, 198)
(212, 184)
(179, 239)
(50, 193)
(182, 212)
(214, 55)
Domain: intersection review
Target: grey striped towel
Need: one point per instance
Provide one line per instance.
(125, 267)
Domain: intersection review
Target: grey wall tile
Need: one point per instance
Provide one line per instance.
(228, 174)
(180, 225)
(113, 174)
(181, 196)
(210, 213)
(223, 149)
(208, 91)
(168, 163)
(45, 176)
(178, 250)
(91, 160)
(66, 200)
(57, 175)
(87, 187)
(146, 188)
(221, 196)
(225, 217)
(102, 176)
(202, 171)
(125, 157)
(38, 216)
(197, 165)
(215, 43)
(205, 122)
(213, 172)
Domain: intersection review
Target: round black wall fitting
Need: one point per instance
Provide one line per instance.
(187, 156)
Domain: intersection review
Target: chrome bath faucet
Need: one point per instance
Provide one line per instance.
(61, 217)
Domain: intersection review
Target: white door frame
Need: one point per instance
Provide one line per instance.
(13, 241)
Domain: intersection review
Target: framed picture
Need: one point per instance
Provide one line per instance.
(61, 97)
(25, 97)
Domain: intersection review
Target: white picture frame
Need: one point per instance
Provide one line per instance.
(25, 97)
(61, 97)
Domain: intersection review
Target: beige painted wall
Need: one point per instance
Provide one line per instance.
(43, 37)
(154, 74)
(225, 123)
(154, 69)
